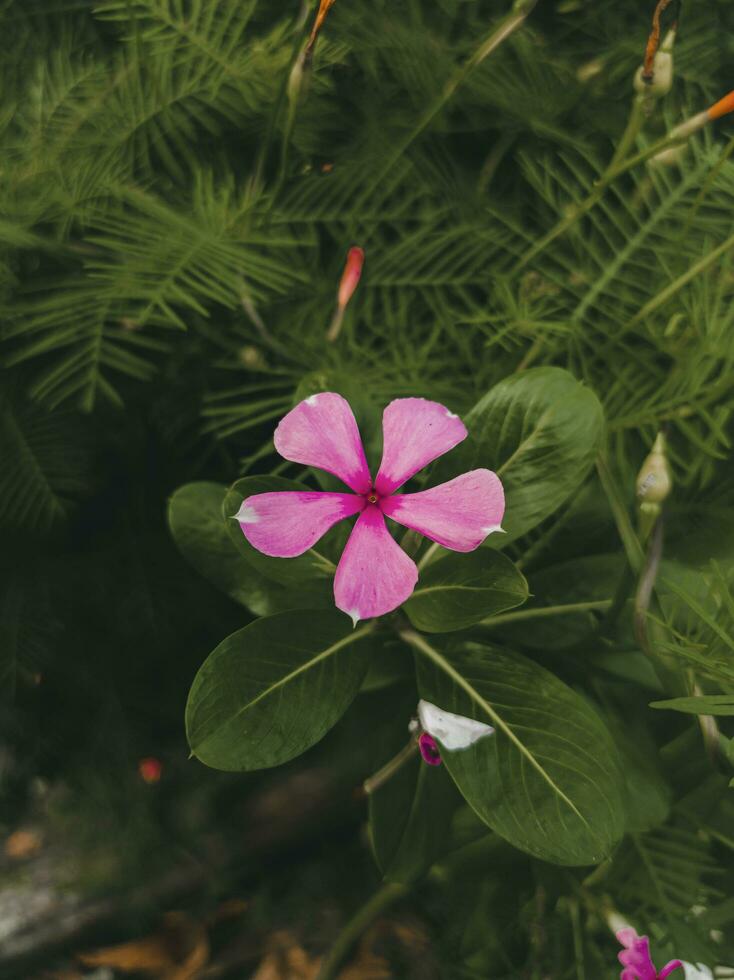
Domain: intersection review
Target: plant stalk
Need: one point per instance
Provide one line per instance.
(383, 898)
(390, 768)
(561, 610)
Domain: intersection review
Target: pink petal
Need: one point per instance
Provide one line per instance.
(286, 523)
(636, 955)
(374, 575)
(321, 431)
(668, 969)
(415, 432)
(458, 514)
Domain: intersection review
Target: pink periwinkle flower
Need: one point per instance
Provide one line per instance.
(374, 575)
(636, 960)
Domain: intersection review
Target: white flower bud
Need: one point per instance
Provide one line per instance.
(669, 157)
(662, 78)
(661, 81)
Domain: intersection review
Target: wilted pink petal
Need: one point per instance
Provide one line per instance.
(285, 523)
(322, 431)
(351, 275)
(458, 514)
(635, 957)
(668, 969)
(374, 575)
(415, 432)
(429, 749)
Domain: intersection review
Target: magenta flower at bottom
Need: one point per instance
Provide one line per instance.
(374, 575)
(636, 960)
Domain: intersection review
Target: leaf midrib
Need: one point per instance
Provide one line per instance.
(465, 588)
(288, 678)
(416, 640)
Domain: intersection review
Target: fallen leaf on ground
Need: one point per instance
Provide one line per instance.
(286, 959)
(22, 844)
(178, 951)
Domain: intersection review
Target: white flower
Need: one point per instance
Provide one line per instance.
(697, 972)
(452, 731)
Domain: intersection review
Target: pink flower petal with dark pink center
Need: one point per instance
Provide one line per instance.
(415, 432)
(322, 432)
(458, 514)
(286, 523)
(374, 575)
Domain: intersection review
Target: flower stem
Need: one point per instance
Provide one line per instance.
(390, 768)
(383, 898)
(571, 607)
(428, 556)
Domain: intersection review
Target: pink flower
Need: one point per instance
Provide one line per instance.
(374, 575)
(635, 958)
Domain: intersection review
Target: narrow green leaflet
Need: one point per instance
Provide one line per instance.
(540, 431)
(549, 780)
(273, 689)
(705, 704)
(286, 571)
(200, 532)
(410, 816)
(460, 590)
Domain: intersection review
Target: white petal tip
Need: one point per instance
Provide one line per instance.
(494, 529)
(451, 415)
(452, 731)
(246, 514)
(354, 616)
(311, 400)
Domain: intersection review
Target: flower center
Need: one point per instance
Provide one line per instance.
(372, 498)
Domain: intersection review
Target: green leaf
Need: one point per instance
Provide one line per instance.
(286, 571)
(540, 431)
(273, 689)
(706, 704)
(647, 795)
(410, 817)
(549, 780)
(460, 590)
(201, 535)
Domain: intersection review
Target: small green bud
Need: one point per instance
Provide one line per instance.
(654, 482)
(295, 79)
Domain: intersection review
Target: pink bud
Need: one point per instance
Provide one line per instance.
(429, 749)
(351, 275)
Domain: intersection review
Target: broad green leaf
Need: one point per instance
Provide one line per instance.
(410, 817)
(286, 571)
(705, 704)
(460, 590)
(273, 689)
(549, 780)
(540, 431)
(200, 532)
